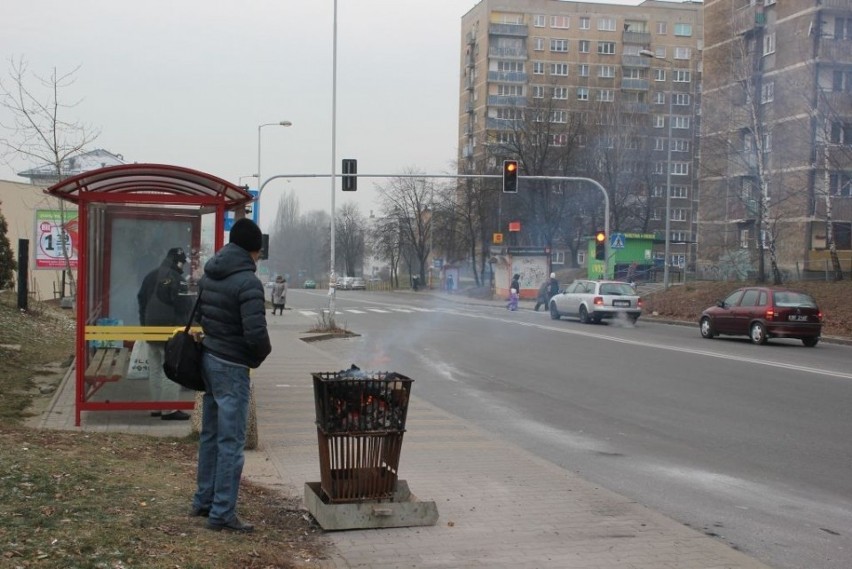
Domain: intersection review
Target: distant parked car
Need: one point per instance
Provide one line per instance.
(762, 313)
(593, 301)
(310, 283)
(357, 283)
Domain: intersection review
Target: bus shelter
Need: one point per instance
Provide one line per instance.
(130, 216)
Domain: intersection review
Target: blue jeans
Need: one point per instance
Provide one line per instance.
(223, 438)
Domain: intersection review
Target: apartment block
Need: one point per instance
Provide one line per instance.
(776, 168)
(618, 84)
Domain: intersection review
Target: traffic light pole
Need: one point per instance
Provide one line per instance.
(595, 183)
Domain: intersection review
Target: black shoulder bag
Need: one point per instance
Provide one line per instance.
(182, 360)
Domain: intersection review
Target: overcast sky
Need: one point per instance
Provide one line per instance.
(187, 82)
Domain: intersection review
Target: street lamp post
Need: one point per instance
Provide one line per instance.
(240, 181)
(259, 178)
(668, 236)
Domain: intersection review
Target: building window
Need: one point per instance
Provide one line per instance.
(560, 22)
(681, 53)
(840, 184)
(560, 93)
(843, 28)
(659, 144)
(681, 99)
(584, 70)
(559, 69)
(659, 98)
(510, 66)
(582, 93)
(679, 236)
(505, 137)
(630, 49)
(679, 214)
(680, 121)
(662, 28)
(767, 92)
(683, 30)
(559, 117)
(509, 113)
(682, 76)
(680, 192)
(659, 121)
(767, 142)
(538, 68)
(606, 71)
(539, 21)
(558, 46)
(658, 192)
(585, 46)
(660, 52)
(606, 48)
(538, 44)
(606, 24)
(606, 95)
(659, 74)
(841, 133)
(769, 43)
(680, 168)
(744, 238)
(680, 145)
(585, 23)
(655, 215)
(510, 90)
(559, 140)
(841, 81)
(537, 92)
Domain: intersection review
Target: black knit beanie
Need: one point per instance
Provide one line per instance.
(247, 235)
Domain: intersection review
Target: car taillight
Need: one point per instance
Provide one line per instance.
(598, 301)
(640, 303)
(819, 315)
(769, 314)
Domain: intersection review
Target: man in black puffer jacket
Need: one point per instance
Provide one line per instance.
(162, 304)
(233, 317)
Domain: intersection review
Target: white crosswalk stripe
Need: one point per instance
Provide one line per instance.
(405, 310)
(308, 313)
(355, 311)
(379, 310)
(422, 309)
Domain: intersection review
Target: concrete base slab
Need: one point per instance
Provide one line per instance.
(404, 510)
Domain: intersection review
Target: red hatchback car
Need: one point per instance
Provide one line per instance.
(762, 313)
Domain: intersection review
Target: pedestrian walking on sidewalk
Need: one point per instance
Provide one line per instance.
(162, 304)
(279, 295)
(233, 318)
(513, 300)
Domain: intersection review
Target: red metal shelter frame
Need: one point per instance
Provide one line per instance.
(135, 184)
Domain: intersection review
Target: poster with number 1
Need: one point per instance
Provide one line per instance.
(50, 237)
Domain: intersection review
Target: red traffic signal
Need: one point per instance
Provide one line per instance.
(510, 176)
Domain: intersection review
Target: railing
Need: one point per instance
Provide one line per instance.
(518, 30)
(507, 101)
(507, 76)
(635, 61)
(642, 38)
(635, 84)
(507, 52)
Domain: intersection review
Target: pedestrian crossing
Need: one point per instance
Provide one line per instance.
(387, 310)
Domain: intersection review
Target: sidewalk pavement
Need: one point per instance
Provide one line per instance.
(500, 506)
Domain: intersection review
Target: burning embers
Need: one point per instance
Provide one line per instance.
(357, 401)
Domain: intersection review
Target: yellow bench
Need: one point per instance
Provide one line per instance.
(110, 364)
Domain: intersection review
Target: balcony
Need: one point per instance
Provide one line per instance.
(500, 124)
(633, 107)
(507, 76)
(628, 84)
(635, 61)
(835, 51)
(748, 18)
(515, 30)
(507, 101)
(641, 38)
(507, 52)
(837, 4)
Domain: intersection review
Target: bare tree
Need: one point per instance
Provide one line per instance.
(410, 200)
(39, 130)
(350, 236)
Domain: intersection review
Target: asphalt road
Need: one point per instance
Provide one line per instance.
(752, 444)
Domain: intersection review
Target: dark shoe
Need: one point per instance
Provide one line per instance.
(176, 416)
(155, 413)
(234, 525)
(199, 512)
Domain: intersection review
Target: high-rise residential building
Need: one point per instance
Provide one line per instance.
(605, 91)
(776, 164)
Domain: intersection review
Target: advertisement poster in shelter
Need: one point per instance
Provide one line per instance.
(56, 239)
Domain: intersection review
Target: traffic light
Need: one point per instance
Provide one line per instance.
(350, 180)
(510, 176)
(600, 245)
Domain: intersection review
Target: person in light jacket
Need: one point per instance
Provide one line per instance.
(279, 295)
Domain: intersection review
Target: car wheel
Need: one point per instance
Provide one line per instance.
(554, 313)
(584, 315)
(810, 342)
(706, 328)
(758, 333)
